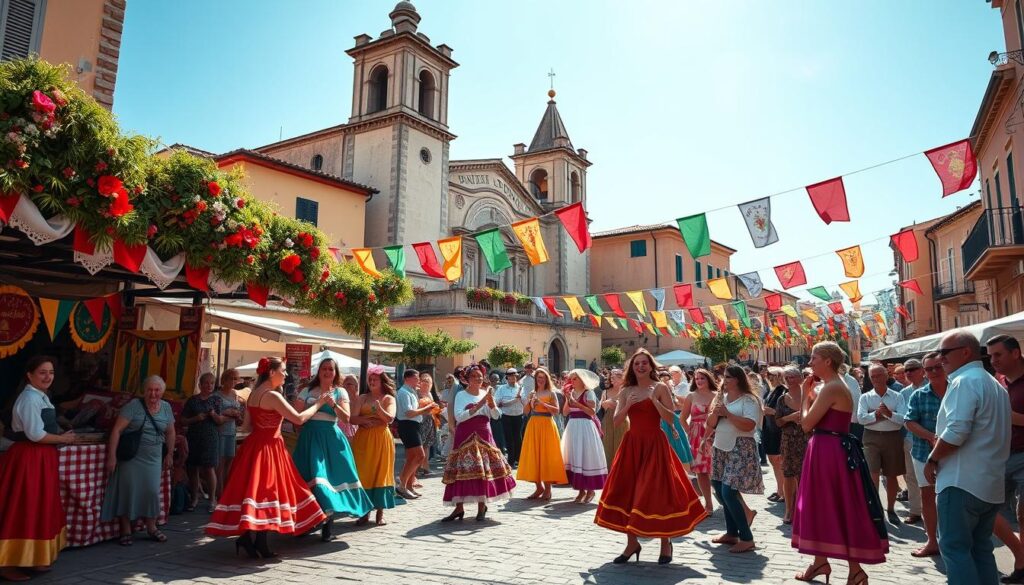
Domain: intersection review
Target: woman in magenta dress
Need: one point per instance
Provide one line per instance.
(265, 492)
(837, 513)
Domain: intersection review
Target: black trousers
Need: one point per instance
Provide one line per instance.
(499, 435)
(512, 426)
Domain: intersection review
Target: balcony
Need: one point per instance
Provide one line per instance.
(995, 244)
(949, 290)
(444, 303)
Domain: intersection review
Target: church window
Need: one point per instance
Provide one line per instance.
(638, 248)
(378, 98)
(427, 90)
(317, 163)
(425, 155)
(306, 210)
(574, 186)
(539, 184)
(679, 268)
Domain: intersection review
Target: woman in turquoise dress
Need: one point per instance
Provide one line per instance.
(133, 490)
(678, 440)
(323, 456)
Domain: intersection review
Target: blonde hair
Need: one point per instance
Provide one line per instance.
(832, 352)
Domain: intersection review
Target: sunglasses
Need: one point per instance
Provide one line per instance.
(933, 369)
(945, 352)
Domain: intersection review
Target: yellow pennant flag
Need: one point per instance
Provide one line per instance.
(853, 261)
(575, 309)
(451, 250)
(719, 312)
(720, 288)
(852, 289)
(637, 297)
(528, 232)
(867, 332)
(649, 327)
(611, 321)
(882, 331)
(811, 316)
(659, 319)
(364, 257)
(735, 324)
(789, 310)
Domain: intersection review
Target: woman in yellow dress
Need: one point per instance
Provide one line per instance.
(373, 445)
(540, 460)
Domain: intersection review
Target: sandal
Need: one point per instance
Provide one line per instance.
(156, 535)
(125, 540)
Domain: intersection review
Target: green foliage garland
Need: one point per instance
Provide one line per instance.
(503, 355)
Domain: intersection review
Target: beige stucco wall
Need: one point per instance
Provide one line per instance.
(301, 153)
(425, 188)
(372, 161)
(72, 31)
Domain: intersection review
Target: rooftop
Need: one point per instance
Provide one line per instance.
(636, 229)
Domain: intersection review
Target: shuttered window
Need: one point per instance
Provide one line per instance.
(679, 268)
(21, 28)
(306, 210)
(638, 248)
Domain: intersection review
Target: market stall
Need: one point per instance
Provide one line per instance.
(1010, 325)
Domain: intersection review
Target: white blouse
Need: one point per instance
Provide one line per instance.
(27, 409)
(726, 433)
(464, 399)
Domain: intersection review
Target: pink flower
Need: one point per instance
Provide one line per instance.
(42, 103)
(151, 231)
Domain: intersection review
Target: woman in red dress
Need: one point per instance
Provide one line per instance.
(265, 492)
(647, 492)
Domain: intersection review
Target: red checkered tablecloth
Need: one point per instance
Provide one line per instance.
(83, 481)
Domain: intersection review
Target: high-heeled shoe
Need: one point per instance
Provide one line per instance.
(481, 515)
(813, 573)
(245, 541)
(263, 548)
(622, 559)
(456, 515)
(665, 559)
(325, 532)
(860, 578)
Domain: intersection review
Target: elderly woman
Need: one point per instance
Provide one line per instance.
(202, 415)
(233, 408)
(133, 489)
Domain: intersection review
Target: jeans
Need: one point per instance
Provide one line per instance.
(512, 426)
(735, 518)
(965, 538)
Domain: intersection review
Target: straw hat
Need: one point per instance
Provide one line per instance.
(590, 379)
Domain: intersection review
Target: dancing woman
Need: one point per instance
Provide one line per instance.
(373, 445)
(585, 464)
(696, 407)
(476, 471)
(647, 493)
(264, 492)
(540, 459)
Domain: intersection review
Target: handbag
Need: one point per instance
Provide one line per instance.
(129, 443)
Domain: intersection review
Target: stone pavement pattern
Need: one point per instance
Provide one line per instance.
(520, 542)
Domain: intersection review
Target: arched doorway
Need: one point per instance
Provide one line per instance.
(556, 357)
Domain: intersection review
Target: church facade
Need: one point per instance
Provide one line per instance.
(397, 141)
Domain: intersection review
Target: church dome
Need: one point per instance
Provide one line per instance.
(403, 5)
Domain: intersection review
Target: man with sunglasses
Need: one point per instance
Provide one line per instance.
(922, 412)
(968, 461)
(914, 375)
(1004, 354)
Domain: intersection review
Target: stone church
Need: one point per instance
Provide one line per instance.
(397, 141)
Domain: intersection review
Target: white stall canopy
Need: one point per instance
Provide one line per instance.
(1010, 325)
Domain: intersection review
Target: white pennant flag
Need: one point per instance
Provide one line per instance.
(758, 216)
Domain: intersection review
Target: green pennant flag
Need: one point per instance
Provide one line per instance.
(624, 324)
(805, 328)
(821, 293)
(396, 256)
(596, 308)
(656, 332)
(695, 233)
(741, 310)
(493, 249)
(708, 326)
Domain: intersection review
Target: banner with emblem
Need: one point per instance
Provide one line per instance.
(758, 216)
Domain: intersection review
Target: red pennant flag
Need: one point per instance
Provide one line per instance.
(114, 303)
(7, 204)
(903, 311)
(697, 315)
(773, 302)
(955, 165)
(82, 242)
(906, 243)
(836, 308)
(912, 285)
(574, 220)
(780, 320)
(198, 278)
(829, 200)
(595, 321)
(636, 326)
(257, 293)
(684, 295)
(130, 257)
(613, 303)
(791, 274)
(95, 308)
(428, 260)
(549, 302)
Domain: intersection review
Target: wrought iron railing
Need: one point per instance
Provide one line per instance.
(997, 59)
(996, 228)
(945, 290)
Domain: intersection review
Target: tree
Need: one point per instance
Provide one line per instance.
(502, 355)
(422, 347)
(723, 346)
(613, 356)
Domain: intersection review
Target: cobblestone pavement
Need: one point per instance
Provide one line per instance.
(520, 542)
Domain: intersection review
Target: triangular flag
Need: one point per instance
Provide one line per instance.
(611, 321)
(198, 278)
(56, 313)
(539, 303)
(773, 301)
(528, 232)
(575, 309)
(128, 256)
(396, 257)
(493, 249)
(623, 324)
(364, 258)
(114, 304)
(694, 229)
(836, 308)
(335, 253)
(637, 297)
(428, 260)
(451, 249)
(677, 316)
(549, 302)
(810, 315)
(906, 242)
(781, 320)
(696, 315)
(636, 326)
(659, 298)
(752, 282)
(955, 165)
(659, 319)
(719, 312)
(912, 284)
(758, 216)
(852, 289)
(95, 307)
(903, 311)
(612, 300)
(820, 292)
(741, 310)
(720, 288)
(829, 200)
(574, 220)
(853, 261)
(594, 305)
(650, 328)
(735, 324)
(684, 295)
(257, 293)
(789, 310)
(595, 320)
(791, 274)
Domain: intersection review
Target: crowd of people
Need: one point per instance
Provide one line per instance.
(661, 445)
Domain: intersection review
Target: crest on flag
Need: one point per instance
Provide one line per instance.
(752, 282)
(758, 216)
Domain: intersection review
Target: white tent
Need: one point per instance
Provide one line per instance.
(348, 365)
(680, 357)
(1010, 325)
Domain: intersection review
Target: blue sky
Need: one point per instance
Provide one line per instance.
(683, 106)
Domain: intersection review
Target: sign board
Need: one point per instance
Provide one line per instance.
(970, 307)
(298, 359)
(191, 318)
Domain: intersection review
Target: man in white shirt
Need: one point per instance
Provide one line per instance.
(914, 373)
(680, 389)
(510, 399)
(968, 462)
(881, 412)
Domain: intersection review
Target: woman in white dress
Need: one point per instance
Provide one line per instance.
(582, 450)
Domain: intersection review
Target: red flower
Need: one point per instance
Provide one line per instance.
(73, 201)
(372, 298)
(37, 188)
(151, 231)
(214, 221)
(325, 275)
(109, 185)
(240, 203)
(120, 204)
(42, 103)
(297, 276)
(234, 239)
(250, 259)
(68, 172)
(100, 167)
(21, 164)
(201, 206)
(305, 239)
(339, 295)
(213, 187)
(289, 263)
(314, 253)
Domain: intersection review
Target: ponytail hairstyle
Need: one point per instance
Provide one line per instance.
(265, 366)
